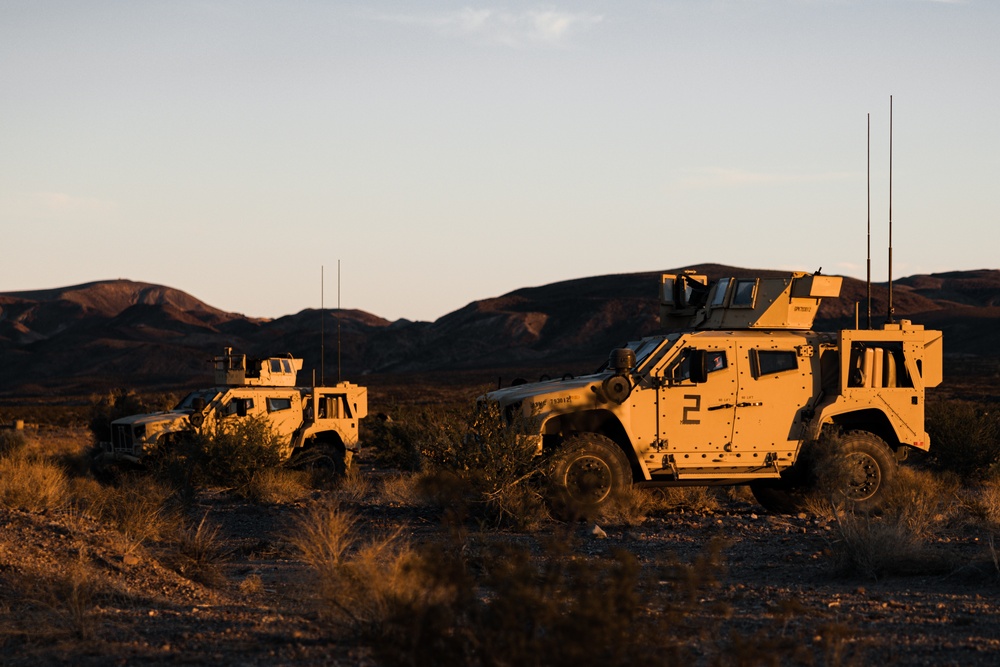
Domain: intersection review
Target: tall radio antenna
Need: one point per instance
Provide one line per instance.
(890, 314)
(322, 327)
(869, 221)
(338, 320)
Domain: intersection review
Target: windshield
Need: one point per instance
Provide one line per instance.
(206, 395)
(649, 349)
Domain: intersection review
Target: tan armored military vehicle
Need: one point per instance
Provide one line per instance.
(738, 393)
(303, 417)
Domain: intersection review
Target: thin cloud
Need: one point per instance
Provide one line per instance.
(726, 178)
(536, 27)
(54, 205)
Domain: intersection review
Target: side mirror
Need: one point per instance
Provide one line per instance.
(699, 366)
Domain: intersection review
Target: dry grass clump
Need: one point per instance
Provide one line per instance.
(354, 486)
(357, 580)
(50, 606)
(981, 503)
(140, 507)
(251, 585)
(197, 553)
(277, 485)
(965, 437)
(693, 498)
(12, 442)
(896, 541)
(633, 505)
(400, 489)
(32, 484)
(501, 603)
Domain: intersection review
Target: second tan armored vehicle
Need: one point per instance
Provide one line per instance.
(325, 418)
(735, 395)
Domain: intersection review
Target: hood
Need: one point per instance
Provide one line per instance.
(164, 420)
(580, 386)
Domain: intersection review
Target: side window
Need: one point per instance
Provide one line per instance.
(681, 368)
(719, 298)
(275, 404)
(744, 293)
(275, 365)
(770, 362)
(238, 406)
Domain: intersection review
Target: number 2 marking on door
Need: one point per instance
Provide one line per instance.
(688, 410)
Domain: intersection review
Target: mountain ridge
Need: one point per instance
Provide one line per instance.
(90, 337)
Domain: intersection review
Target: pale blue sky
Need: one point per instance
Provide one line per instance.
(452, 151)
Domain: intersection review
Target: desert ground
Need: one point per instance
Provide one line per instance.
(692, 576)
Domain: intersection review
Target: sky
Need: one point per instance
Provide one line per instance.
(444, 152)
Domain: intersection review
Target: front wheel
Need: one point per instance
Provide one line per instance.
(588, 474)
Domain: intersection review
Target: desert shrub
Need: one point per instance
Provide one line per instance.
(401, 489)
(49, 607)
(356, 579)
(12, 442)
(502, 604)
(965, 437)
(277, 485)
(981, 503)
(32, 484)
(397, 441)
(139, 507)
(251, 585)
(897, 540)
(230, 456)
(354, 485)
(120, 403)
(485, 467)
(878, 546)
(694, 498)
(196, 552)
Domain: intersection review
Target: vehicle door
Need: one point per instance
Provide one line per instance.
(696, 413)
(284, 411)
(238, 405)
(777, 384)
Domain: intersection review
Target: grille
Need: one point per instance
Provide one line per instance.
(121, 438)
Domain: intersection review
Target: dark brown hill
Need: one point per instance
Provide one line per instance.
(87, 338)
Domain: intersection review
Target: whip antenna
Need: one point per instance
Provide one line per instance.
(338, 320)
(869, 222)
(322, 328)
(890, 320)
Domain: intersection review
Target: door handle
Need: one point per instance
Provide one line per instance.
(749, 405)
(721, 407)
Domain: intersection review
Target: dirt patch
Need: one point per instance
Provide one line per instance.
(74, 591)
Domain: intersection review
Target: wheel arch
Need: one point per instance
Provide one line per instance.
(559, 428)
(872, 420)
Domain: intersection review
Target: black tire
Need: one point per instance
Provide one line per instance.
(870, 468)
(321, 457)
(587, 474)
(856, 474)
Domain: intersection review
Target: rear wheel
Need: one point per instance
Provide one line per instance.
(587, 474)
(869, 466)
(855, 471)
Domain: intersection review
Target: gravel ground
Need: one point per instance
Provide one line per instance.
(75, 592)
